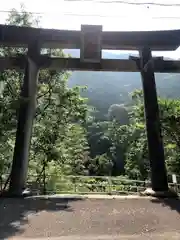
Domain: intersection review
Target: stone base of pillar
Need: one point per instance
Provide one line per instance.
(160, 194)
(25, 193)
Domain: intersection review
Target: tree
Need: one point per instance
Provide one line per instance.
(137, 164)
(98, 139)
(119, 113)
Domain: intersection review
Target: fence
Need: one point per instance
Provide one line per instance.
(53, 184)
(87, 184)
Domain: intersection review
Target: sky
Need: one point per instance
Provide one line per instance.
(62, 14)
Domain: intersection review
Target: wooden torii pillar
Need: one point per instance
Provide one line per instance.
(25, 122)
(154, 137)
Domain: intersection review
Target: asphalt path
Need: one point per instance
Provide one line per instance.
(60, 218)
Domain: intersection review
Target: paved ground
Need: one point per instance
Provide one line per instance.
(89, 219)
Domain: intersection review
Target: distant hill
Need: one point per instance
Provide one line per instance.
(107, 88)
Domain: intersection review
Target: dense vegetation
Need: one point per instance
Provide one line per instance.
(70, 139)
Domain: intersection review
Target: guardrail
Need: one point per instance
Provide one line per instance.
(53, 184)
(91, 184)
(87, 184)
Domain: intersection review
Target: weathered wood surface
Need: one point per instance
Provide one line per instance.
(53, 38)
(113, 65)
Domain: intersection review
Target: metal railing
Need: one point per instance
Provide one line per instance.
(88, 184)
(91, 185)
(53, 184)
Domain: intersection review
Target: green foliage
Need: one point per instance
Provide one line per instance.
(23, 18)
(137, 164)
(98, 140)
(58, 139)
(101, 165)
(119, 113)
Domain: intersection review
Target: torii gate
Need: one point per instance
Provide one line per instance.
(90, 40)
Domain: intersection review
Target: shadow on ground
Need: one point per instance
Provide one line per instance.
(172, 203)
(14, 212)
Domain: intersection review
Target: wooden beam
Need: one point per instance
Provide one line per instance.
(53, 38)
(111, 65)
(91, 37)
